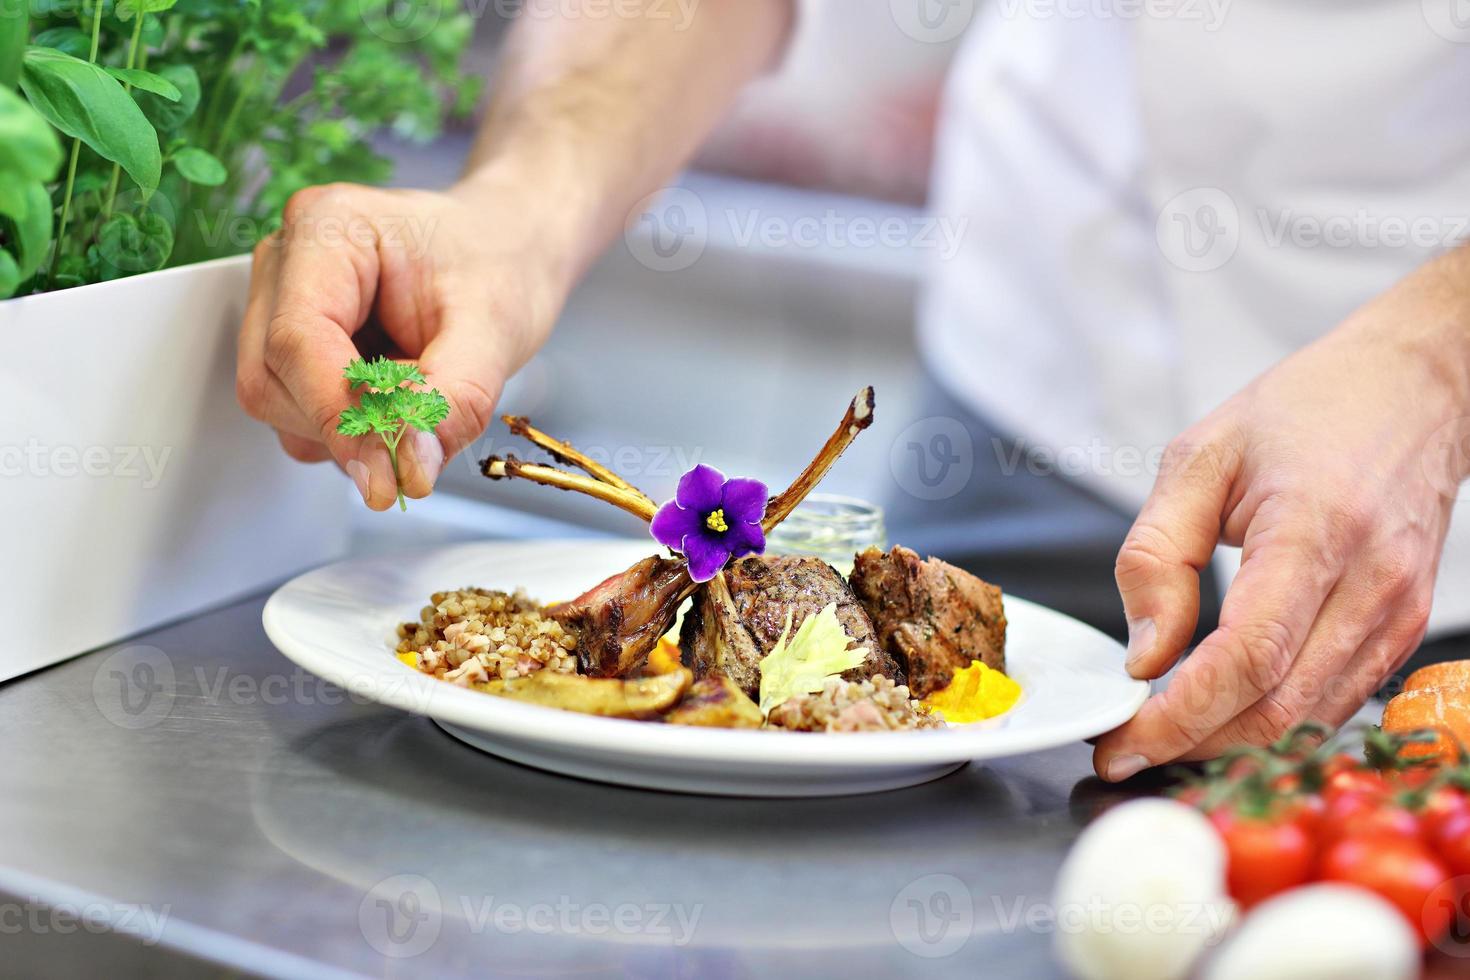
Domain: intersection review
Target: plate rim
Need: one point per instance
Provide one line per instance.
(399, 686)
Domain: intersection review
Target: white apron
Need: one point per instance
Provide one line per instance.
(1166, 197)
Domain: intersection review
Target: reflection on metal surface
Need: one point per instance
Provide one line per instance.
(494, 839)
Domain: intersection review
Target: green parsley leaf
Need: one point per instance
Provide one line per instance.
(423, 410)
(354, 422)
(389, 409)
(381, 373)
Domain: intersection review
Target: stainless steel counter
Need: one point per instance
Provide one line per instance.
(191, 803)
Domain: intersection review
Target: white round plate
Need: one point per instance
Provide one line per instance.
(338, 622)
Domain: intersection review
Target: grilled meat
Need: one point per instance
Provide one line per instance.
(715, 643)
(738, 617)
(620, 620)
(932, 617)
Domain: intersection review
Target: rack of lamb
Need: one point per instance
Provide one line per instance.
(919, 620)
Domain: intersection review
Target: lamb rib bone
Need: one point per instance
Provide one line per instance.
(566, 453)
(509, 467)
(858, 417)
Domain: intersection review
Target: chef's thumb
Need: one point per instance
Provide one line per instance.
(465, 365)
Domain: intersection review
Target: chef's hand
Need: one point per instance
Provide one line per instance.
(589, 116)
(451, 288)
(1335, 472)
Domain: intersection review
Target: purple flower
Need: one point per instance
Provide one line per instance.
(711, 520)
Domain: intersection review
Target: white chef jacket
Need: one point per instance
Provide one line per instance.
(1166, 197)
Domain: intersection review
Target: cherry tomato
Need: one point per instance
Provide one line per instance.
(1452, 842)
(1306, 811)
(1415, 777)
(1287, 783)
(1366, 781)
(1342, 762)
(1402, 871)
(1264, 855)
(1443, 804)
(1361, 815)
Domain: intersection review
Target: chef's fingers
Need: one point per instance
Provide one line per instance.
(1318, 679)
(465, 363)
(325, 292)
(1173, 538)
(1267, 614)
(1383, 653)
(260, 393)
(303, 450)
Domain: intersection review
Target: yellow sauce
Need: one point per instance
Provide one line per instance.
(664, 659)
(975, 693)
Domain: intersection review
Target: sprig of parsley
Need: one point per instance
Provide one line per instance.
(388, 408)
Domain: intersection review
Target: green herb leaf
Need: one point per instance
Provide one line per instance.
(802, 663)
(382, 373)
(10, 277)
(28, 147)
(166, 115)
(147, 81)
(14, 28)
(71, 270)
(199, 167)
(27, 207)
(128, 9)
(129, 245)
(72, 40)
(84, 101)
(423, 410)
(388, 409)
(356, 421)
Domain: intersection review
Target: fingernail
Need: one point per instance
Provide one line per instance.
(429, 451)
(1141, 635)
(359, 473)
(1124, 766)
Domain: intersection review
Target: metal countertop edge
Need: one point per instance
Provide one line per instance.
(178, 936)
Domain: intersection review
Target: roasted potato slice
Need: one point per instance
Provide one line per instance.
(610, 697)
(715, 702)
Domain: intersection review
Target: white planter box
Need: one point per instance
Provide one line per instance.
(133, 489)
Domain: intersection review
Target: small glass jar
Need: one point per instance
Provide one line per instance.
(830, 527)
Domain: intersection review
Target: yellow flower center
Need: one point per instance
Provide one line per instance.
(716, 521)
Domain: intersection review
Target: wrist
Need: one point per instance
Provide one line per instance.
(1443, 290)
(539, 208)
(1423, 324)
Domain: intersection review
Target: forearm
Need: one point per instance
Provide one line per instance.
(1438, 293)
(592, 113)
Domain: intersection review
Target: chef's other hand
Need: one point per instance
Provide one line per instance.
(450, 286)
(1330, 471)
